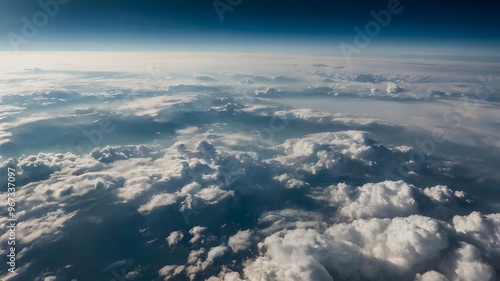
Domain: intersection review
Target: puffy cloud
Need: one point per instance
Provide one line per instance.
(241, 241)
(405, 243)
(214, 253)
(375, 200)
(39, 167)
(290, 182)
(196, 232)
(158, 200)
(47, 227)
(431, 276)
(297, 255)
(170, 271)
(351, 251)
(483, 231)
(366, 249)
(444, 202)
(465, 263)
(392, 88)
(316, 152)
(196, 264)
(226, 275)
(392, 198)
(174, 238)
(443, 194)
(195, 256)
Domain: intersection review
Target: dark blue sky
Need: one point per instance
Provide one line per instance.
(128, 24)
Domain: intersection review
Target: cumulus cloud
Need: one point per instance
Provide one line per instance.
(390, 199)
(290, 182)
(295, 256)
(241, 241)
(392, 88)
(372, 249)
(443, 194)
(174, 238)
(403, 242)
(48, 225)
(226, 275)
(483, 231)
(170, 271)
(465, 263)
(196, 233)
(431, 276)
(158, 200)
(213, 254)
(317, 152)
(377, 200)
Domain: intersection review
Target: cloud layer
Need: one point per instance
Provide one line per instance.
(214, 177)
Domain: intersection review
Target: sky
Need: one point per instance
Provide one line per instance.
(244, 24)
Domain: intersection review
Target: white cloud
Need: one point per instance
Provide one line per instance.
(483, 231)
(170, 271)
(213, 254)
(174, 238)
(226, 275)
(195, 256)
(47, 227)
(298, 255)
(158, 200)
(443, 194)
(290, 182)
(392, 88)
(241, 241)
(431, 276)
(196, 232)
(375, 248)
(374, 200)
(319, 117)
(465, 264)
(275, 221)
(405, 243)
(316, 152)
